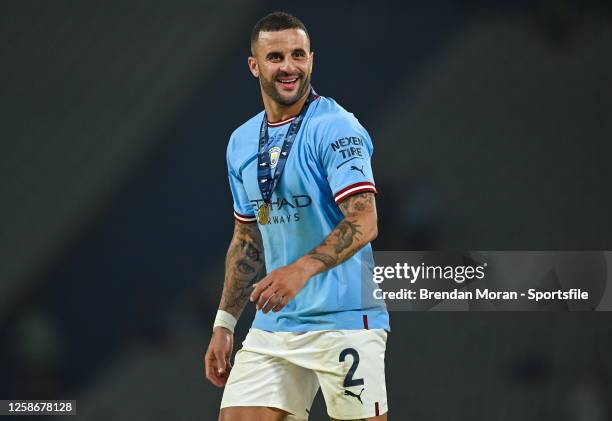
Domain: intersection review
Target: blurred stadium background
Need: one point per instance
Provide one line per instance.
(491, 122)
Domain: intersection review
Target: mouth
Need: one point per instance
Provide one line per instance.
(287, 83)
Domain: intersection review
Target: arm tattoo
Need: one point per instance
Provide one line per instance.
(244, 265)
(344, 234)
(348, 236)
(358, 203)
(326, 259)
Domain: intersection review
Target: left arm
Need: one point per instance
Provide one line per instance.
(357, 229)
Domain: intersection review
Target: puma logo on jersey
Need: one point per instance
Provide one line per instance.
(358, 169)
(349, 393)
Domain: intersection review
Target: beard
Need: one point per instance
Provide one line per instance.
(270, 88)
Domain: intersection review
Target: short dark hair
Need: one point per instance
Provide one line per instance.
(276, 21)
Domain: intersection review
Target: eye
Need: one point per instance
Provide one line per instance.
(274, 57)
(299, 53)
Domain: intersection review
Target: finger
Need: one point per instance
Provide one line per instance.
(259, 287)
(220, 359)
(280, 305)
(228, 364)
(209, 363)
(205, 367)
(217, 380)
(210, 375)
(263, 299)
(211, 372)
(269, 305)
(265, 296)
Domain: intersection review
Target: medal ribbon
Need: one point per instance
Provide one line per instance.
(266, 182)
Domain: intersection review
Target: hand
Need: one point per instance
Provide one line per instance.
(278, 288)
(217, 359)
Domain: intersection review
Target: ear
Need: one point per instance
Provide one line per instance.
(253, 66)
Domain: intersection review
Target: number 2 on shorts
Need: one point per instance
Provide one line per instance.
(349, 381)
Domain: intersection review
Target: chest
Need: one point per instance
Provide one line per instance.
(300, 173)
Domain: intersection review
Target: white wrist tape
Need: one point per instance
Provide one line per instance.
(226, 320)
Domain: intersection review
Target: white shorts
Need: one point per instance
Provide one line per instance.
(284, 370)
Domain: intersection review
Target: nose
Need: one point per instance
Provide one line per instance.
(288, 66)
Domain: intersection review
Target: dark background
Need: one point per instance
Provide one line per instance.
(491, 124)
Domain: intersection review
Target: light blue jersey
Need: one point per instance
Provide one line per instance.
(329, 161)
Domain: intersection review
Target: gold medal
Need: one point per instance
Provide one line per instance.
(263, 214)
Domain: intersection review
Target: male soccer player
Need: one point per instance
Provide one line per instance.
(303, 192)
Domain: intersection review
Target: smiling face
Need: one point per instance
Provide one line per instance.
(282, 61)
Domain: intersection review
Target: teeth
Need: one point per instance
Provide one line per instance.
(288, 80)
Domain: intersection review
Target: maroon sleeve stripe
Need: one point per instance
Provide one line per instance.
(354, 189)
(245, 219)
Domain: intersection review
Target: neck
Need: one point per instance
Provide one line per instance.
(278, 112)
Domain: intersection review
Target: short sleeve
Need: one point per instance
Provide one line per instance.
(243, 208)
(346, 152)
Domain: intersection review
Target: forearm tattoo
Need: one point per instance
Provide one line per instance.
(244, 265)
(348, 236)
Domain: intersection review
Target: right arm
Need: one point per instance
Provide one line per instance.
(244, 265)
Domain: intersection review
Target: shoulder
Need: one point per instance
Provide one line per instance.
(331, 115)
(332, 123)
(244, 134)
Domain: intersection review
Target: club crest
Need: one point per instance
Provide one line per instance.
(274, 154)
